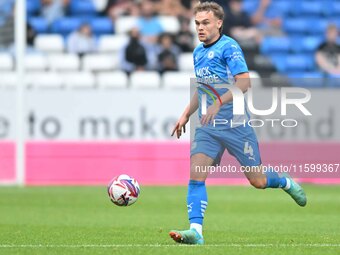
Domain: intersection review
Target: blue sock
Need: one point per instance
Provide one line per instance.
(274, 180)
(197, 201)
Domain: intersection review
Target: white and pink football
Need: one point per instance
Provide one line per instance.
(123, 190)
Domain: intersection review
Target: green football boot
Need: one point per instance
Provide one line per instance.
(190, 236)
(296, 191)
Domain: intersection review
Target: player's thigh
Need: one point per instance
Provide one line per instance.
(199, 164)
(241, 142)
(206, 150)
(243, 145)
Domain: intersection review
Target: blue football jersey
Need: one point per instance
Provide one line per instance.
(218, 63)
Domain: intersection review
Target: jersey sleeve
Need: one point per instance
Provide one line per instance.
(234, 58)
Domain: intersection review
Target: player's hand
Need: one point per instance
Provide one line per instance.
(211, 113)
(180, 125)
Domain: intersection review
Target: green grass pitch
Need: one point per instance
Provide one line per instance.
(239, 220)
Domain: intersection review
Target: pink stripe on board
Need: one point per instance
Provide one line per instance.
(151, 163)
(7, 161)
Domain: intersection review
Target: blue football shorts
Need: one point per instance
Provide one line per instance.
(241, 142)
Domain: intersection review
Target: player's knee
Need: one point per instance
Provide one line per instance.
(197, 175)
(259, 183)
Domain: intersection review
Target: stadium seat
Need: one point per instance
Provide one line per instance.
(63, 62)
(318, 26)
(331, 8)
(177, 80)
(112, 43)
(296, 25)
(333, 81)
(8, 79)
(99, 62)
(101, 26)
(145, 80)
(64, 26)
(250, 6)
(307, 79)
(279, 60)
(44, 80)
(271, 45)
(6, 62)
(278, 8)
(308, 8)
(124, 24)
(306, 44)
(315, 26)
(114, 80)
(36, 62)
(185, 62)
(170, 24)
(80, 80)
(82, 8)
(296, 63)
(49, 43)
(39, 24)
(32, 7)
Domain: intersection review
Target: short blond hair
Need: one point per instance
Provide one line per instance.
(215, 8)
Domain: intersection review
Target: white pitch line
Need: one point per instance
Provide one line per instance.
(161, 245)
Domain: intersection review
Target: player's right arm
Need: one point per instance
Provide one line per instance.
(183, 120)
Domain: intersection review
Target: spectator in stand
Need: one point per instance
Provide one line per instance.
(328, 54)
(30, 35)
(185, 37)
(168, 53)
(52, 10)
(171, 8)
(267, 25)
(81, 41)
(116, 8)
(148, 24)
(134, 55)
(6, 23)
(237, 23)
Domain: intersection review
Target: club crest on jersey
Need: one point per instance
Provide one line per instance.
(211, 54)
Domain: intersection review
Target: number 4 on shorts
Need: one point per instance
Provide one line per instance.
(248, 149)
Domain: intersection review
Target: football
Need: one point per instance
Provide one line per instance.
(123, 190)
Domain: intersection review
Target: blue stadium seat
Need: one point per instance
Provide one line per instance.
(250, 6)
(301, 26)
(306, 44)
(332, 8)
(39, 24)
(296, 25)
(299, 62)
(32, 7)
(333, 81)
(318, 26)
(311, 8)
(307, 79)
(82, 8)
(102, 26)
(279, 61)
(64, 26)
(278, 8)
(272, 45)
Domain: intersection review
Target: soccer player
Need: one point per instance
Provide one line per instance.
(218, 59)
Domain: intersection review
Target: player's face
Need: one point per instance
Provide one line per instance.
(207, 27)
